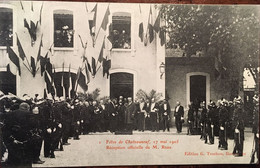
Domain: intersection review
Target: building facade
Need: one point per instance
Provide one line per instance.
(64, 28)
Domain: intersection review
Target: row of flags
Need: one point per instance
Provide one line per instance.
(151, 28)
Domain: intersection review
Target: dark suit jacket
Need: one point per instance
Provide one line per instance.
(180, 113)
(130, 112)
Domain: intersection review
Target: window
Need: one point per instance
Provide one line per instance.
(6, 26)
(120, 30)
(63, 28)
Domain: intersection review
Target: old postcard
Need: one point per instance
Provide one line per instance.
(101, 84)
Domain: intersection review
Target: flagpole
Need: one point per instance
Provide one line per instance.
(27, 67)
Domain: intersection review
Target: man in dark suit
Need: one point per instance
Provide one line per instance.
(111, 108)
(130, 113)
(178, 115)
(166, 111)
(17, 137)
(141, 115)
(154, 114)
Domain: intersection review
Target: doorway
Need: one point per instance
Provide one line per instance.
(121, 84)
(197, 88)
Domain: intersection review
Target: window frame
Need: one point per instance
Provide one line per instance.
(14, 11)
(52, 30)
(129, 11)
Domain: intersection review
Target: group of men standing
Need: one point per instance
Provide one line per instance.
(225, 120)
(26, 122)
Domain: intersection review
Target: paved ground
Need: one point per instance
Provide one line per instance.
(165, 148)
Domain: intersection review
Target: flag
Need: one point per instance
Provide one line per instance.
(48, 66)
(151, 33)
(100, 57)
(82, 81)
(40, 19)
(33, 65)
(33, 30)
(43, 62)
(31, 6)
(156, 25)
(54, 90)
(94, 66)
(14, 58)
(76, 81)
(20, 49)
(70, 84)
(141, 27)
(105, 19)
(62, 82)
(48, 82)
(89, 67)
(150, 27)
(106, 66)
(44, 94)
(39, 51)
(87, 73)
(21, 5)
(141, 31)
(92, 23)
(162, 36)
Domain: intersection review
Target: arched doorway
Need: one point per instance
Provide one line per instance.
(121, 84)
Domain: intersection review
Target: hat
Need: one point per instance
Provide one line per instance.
(24, 106)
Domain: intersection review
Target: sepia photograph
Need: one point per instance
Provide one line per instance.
(120, 84)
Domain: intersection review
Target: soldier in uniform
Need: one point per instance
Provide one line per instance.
(154, 114)
(212, 110)
(239, 129)
(45, 110)
(203, 120)
(76, 119)
(57, 125)
(66, 121)
(223, 116)
(36, 122)
(166, 112)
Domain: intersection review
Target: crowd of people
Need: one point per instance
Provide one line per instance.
(28, 122)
